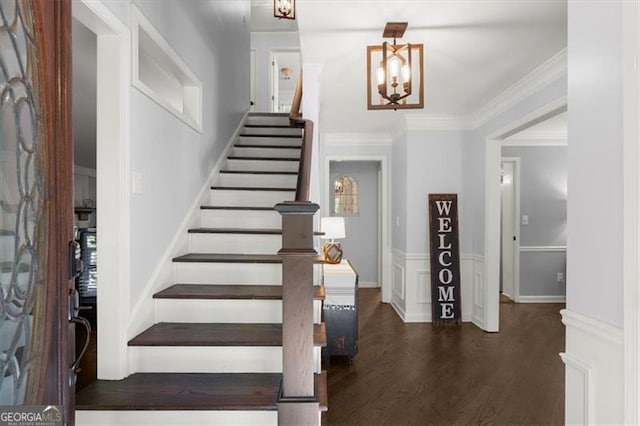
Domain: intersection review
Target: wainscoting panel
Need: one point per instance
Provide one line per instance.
(594, 360)
(398, 283)
(412, 278)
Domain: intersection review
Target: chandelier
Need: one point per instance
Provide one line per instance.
(397, 70)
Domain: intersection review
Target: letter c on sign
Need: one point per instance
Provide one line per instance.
(441, 258)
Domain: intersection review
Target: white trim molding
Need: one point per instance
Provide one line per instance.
(595, 370)
(541, 299)
(113, 164)
(631, 209)
(551, 70)
(411, 295)
(180, 89)
(530, 142)
(544, 249)
(357, 139)
(493, 143)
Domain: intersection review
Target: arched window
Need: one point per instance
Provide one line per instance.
(345, 194)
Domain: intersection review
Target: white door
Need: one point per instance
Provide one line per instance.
(510, 229)
(275, 89)
(252, 81)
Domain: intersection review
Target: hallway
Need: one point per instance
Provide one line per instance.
(409, 374)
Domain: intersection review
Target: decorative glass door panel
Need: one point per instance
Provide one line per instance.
(35, 207)
(22, 225)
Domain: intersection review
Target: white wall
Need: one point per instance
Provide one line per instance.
(594, 315)
(171, 159)
(595, 162)
(263, 43)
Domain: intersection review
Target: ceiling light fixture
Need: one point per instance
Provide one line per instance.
(395, 71)
(284, 9)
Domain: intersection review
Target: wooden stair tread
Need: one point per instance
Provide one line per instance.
(268, 114)
(190, 391)
(258, 208)
(266, 146)
(249, 158)
(270, 126)
(228, 257)
(232, 258)
(249, 231)
(260, 135)
(251, 188)
(228, 292)
(218, 334)
(259, 172)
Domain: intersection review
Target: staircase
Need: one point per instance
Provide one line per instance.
(215, 354)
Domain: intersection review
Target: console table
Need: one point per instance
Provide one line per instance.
(340, 310)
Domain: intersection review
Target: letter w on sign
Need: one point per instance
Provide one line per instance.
(445, 259)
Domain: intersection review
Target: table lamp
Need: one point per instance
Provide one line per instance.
(333, 228)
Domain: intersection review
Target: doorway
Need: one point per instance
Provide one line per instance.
(490, 294)
(112, 180)
(285, 69)
(357, 182)
(510, 228)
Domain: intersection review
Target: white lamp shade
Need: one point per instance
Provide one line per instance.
(333, 227)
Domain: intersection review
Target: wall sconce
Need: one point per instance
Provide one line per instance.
(395, 72)
(333, 228)
(284, 9)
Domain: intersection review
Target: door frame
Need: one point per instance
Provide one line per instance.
(493, 144)
(515, 247)
(273, 94)
(631, 210)
(384, 222)
(113, 164)
(253, 89)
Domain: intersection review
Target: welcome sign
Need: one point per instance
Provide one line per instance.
(445, 259)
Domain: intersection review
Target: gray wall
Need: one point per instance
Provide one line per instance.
(173, 160)
(361, 244)
(543, 197)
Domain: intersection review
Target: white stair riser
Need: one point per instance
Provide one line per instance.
(266, 152)
(172, 418)
(257, 140)
(210, 359)
(228, 273)
(250, 219)
(227, 311)
(272, 131)
(230, 197)
(257, 180)
(263, 165)
(234, 243)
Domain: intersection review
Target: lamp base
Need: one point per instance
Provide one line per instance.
(332, 252)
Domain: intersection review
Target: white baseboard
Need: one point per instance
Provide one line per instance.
(594, 371)
(542, 299)
(368, 284)
(144, 314)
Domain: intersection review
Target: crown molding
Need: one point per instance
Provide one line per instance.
(550, 71)
(562, 141)
(356, 139)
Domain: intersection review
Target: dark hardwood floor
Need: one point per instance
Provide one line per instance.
(413, 374)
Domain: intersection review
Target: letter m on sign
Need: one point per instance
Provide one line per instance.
(445, 259)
